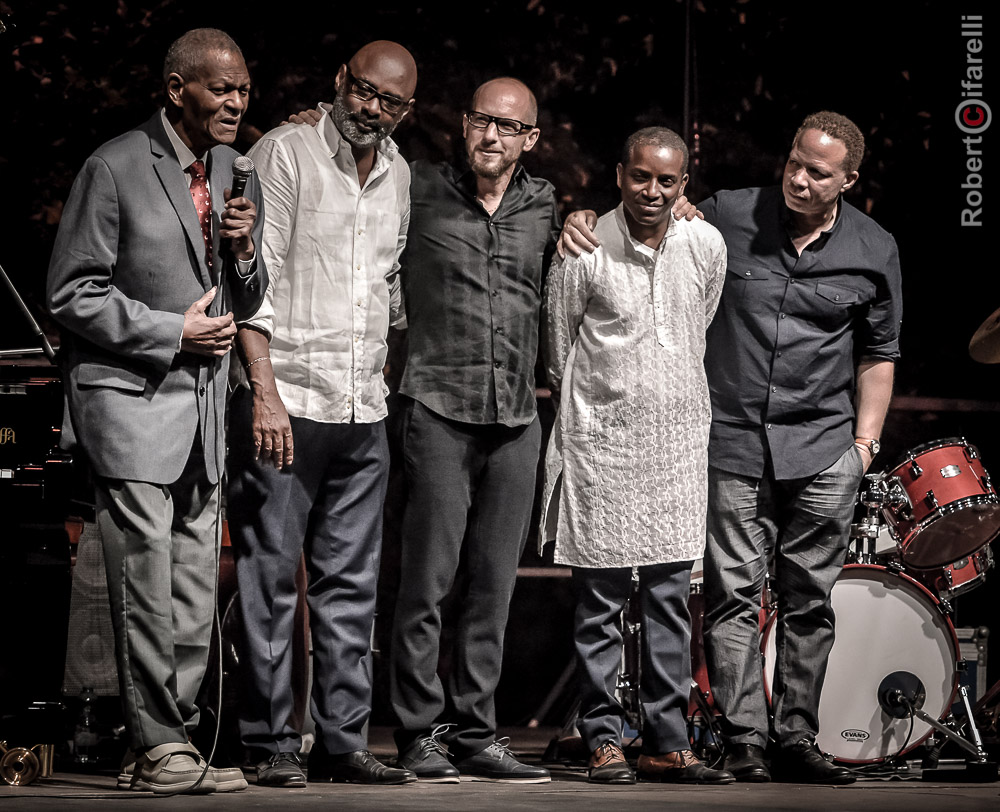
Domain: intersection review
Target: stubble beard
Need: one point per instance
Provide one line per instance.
(345, 121)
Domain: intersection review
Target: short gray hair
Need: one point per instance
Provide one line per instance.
(185, 54)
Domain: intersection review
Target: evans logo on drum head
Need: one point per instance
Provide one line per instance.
(854, 735)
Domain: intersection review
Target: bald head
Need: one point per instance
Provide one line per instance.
(391, 62)
(515, 92)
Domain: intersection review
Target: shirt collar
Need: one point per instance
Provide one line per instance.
(785, 216)
(184, 154)
(641, 247)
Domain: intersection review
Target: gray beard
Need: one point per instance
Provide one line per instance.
(345, 122)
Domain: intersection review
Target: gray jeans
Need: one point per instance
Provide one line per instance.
(805, 525)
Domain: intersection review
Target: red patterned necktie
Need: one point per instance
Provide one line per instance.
(202, 205)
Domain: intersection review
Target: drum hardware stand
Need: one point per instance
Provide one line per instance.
(867, 531)
(902, 694)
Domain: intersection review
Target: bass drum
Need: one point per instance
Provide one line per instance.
(886, 623)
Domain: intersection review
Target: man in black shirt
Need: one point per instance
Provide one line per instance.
(800, 364)
(479, 241)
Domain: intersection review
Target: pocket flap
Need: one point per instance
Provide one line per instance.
(837, 295)
(91, 374)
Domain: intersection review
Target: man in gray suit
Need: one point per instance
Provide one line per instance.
(151, 265)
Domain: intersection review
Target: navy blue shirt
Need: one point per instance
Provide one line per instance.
(784, 345)
(472, 283)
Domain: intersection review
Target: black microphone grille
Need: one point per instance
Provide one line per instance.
(242, 166)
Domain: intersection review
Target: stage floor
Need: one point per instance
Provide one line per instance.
(568, 790)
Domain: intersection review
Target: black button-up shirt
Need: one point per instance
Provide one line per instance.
(784, 346)
(472, 283)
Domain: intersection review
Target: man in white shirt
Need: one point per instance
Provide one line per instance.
(309, 458)
(628, 457)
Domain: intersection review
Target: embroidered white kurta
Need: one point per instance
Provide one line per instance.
(627, 466)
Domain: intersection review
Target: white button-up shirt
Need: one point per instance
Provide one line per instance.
(332, 251)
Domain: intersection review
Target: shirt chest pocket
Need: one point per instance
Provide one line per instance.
(835, 304)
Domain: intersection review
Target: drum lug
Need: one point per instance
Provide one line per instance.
(931, 499)
(987, 482)
(946, 607)
(915, 469)
(970, 450)
(895, 566)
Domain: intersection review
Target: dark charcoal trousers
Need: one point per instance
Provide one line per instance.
(471, 489)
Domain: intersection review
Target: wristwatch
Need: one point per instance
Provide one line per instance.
(871, 443)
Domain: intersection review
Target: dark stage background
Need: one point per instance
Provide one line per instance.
(73, 75)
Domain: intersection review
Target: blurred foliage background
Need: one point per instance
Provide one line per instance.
(75, 74)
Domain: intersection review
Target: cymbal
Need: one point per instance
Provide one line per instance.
(985, 344)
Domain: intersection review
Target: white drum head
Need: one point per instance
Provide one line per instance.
(886, 622)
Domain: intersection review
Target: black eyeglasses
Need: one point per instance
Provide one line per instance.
(364, 91)
(505, 126)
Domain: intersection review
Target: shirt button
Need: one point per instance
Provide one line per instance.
(768, 426)
(498, 364)
(774, 388)
(202, 391)
(836, 297)
(781, 315)
(748, 273)
(358, 268)
(779, 355)
(495, 293)
(500, 331)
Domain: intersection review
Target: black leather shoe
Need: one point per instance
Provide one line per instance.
(428, 760)
(803, 763)
(746, 763)
(281, 770)
(497, 763)
(359, 767)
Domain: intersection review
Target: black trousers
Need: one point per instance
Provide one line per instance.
(470, 492)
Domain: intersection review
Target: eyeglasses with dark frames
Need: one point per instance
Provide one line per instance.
(364, 91)
(505, 126)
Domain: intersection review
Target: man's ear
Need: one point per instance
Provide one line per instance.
(849, 181)
(340, 78)
(406, 109)
(529, 142)
(175, 87)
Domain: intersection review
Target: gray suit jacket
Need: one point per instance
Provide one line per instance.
(129, 259)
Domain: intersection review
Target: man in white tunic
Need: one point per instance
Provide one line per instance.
(625, 355)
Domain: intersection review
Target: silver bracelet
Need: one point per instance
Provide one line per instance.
(255, 360)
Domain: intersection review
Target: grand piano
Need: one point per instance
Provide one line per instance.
(36, 486)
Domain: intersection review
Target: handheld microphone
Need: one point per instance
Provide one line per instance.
(242, 169)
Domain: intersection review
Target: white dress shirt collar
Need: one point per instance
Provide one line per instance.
(184, 154)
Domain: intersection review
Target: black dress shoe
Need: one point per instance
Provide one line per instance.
(497, 763)
(281, 770)
(803, 763)
(359, 767)
(746, 763)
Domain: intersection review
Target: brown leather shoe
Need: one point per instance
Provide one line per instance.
(680, 767)
(608, 766)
